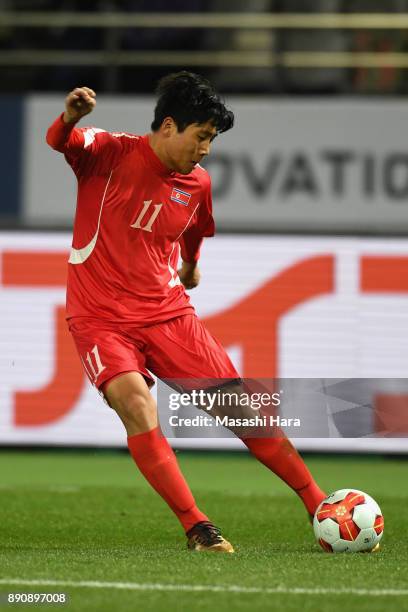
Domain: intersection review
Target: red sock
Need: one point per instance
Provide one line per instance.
(280, 456)
(156, 460)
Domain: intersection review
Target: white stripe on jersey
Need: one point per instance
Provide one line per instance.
(175, 279)
(89, 135)
(120, 134)
(78, 256)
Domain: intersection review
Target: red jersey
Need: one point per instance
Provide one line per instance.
(133, 216)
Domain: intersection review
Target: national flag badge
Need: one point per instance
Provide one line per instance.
(181, 197)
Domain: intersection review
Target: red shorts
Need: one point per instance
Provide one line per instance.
(181, 348)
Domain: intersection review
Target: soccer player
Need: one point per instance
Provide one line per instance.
(143, 200)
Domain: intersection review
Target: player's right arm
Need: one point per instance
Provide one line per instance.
(62, 134)
(89, 150)
(78, 103)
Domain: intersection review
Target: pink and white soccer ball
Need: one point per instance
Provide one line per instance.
(348, 520)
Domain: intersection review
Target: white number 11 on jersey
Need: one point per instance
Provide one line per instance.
(148, 226)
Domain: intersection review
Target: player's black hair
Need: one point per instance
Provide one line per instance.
(189, 98)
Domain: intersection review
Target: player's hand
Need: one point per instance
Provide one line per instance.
(78, 103)
(189, 275)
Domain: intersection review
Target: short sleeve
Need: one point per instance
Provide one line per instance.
(89, 150)
(205, 220)
(203, 227)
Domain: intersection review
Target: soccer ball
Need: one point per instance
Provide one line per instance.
(348, 520)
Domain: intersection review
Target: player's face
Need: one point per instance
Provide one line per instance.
(186, 149)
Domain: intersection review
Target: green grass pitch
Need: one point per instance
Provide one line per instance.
(89, 517)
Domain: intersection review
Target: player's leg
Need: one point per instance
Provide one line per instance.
(272, 448)
(195, 353)
(130, 397)
(116, 367)
(281, 457)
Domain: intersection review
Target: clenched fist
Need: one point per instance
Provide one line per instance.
(78, 103)
(189, 275)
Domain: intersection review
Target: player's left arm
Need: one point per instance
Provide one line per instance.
(192, 239)
(189, 274)
(190, 244)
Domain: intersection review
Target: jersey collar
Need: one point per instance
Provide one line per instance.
(154, 161)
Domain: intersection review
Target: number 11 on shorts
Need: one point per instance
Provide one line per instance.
(95, 366)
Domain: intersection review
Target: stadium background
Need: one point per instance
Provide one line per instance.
(307, 277)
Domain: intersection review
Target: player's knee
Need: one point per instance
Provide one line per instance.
(135, 409)
(230, 402)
